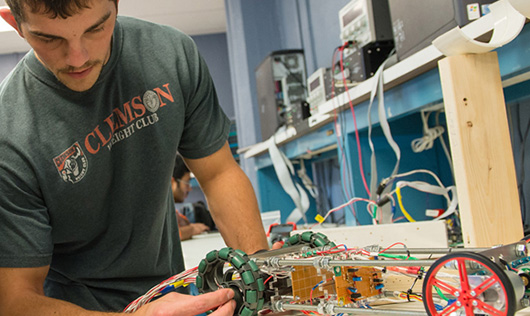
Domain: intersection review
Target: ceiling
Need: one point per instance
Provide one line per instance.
(195, 17)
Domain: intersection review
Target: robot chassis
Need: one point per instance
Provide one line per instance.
(313, 275)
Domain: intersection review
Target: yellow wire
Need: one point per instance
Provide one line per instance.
(407, 215)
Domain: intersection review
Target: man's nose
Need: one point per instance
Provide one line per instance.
(77, 54)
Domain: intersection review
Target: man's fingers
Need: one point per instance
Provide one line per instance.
(186, 305)
(209, 301)
(278, 245)
(226, 309)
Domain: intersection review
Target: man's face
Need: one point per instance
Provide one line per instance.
(181, 188)
(76, 48)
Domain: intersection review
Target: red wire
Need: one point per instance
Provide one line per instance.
(394, 244)
(354, 120)
(339, 144)
(267, 279)
(312, 289)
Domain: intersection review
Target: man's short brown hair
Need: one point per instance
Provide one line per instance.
(54, 9)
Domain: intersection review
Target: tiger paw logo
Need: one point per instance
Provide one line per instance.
(72, 164)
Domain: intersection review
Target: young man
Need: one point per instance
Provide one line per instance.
(90, 123)
(180, 185)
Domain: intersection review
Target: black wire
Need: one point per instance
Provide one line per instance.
(342, 219)
(326, 193)
(522, 148)
(323, 198)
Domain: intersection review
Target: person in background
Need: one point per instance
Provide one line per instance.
(181, 187)
(91, 120)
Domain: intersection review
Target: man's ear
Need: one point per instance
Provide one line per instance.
(5, 13)
(174, 184)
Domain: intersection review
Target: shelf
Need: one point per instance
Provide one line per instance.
(411, 84)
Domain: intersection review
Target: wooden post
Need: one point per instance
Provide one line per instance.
(481, 148)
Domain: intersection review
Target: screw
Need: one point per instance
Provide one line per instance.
(458, 303)
(457, 294)
(473, 293)
(475, 303)
(520, 250)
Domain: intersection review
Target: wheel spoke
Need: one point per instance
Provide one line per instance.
(469, 310)
(489, 309)
(467, 289)
(448, 310)
(462, 270)
(485, 285)
(444, 286)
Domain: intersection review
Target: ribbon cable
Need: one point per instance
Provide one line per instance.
(378, 89)
(284, 171)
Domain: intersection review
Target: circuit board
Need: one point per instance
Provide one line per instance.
(308, 282)
(355, 283)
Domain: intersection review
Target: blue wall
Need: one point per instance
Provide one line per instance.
(256, 28)
(8, 62)
(214, 50)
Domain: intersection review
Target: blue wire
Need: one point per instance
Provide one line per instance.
(167, 289)
(317, 285)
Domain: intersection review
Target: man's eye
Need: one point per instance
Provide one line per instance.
(99, 29)
(47, 40)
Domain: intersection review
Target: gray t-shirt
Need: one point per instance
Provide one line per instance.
(85, 176)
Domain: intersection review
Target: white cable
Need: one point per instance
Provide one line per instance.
(452, 200)
(306, 181)
(430, 134)
(378, 89)
(284, 170)
(405, 174)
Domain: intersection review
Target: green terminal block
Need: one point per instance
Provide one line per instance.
(198, 282)
(319, 242)
(247, 277)
(223, 253)
(307, 236)
(261, 285)
(241, 253)
(261, 302)
(251, 296)
(202, 266)
(246, 312)
(237, 261)
(293, 240)
(211, 256)
(253, 266)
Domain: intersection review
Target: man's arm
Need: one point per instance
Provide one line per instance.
(231, 200)
(21, 294)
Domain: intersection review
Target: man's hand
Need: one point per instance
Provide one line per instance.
(187, 305)
(188, 231)
(199, 228)
(277, 245)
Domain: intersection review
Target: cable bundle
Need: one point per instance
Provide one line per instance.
(176, 281)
